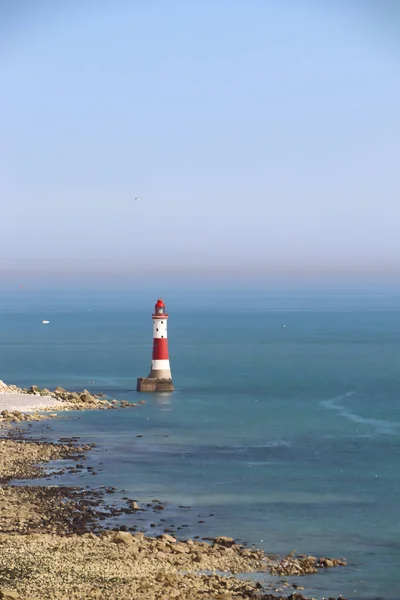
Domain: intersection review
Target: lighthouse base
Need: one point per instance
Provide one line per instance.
(153, 384)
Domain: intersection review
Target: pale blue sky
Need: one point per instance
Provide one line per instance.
(262, 137)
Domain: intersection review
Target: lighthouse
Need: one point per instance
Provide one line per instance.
(159, 379)
(160, 368)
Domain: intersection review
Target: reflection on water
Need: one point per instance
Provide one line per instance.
(164, 400)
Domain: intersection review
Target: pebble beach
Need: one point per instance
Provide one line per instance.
(53, 543)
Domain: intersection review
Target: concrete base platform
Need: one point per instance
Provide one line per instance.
(151, 384)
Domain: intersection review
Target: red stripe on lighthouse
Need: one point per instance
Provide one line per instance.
(160, 349)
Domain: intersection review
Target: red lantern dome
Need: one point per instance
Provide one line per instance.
(159, 309)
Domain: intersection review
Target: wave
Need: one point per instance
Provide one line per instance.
(381, 426)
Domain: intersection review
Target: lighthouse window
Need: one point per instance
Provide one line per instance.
(162, 336)
(162, 322)
(157, 328)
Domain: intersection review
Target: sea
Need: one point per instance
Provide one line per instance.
(283, 430)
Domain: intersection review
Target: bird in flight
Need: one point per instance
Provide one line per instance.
(136, 198)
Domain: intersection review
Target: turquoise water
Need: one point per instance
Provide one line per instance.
(285, 423)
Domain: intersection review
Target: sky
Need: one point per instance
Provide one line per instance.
(262, 138)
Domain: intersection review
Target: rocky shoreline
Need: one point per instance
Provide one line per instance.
(53, 544)
(66, 400)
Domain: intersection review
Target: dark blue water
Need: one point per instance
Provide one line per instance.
(284, 425)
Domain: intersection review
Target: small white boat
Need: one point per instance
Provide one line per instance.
(45, 322)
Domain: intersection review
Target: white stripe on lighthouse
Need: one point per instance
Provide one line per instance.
(160, 365)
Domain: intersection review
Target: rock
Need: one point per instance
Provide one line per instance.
(60, 390)
(134, 505)
(311, 559)
(198, 557)
(224, 541)
(180, 548)
(122, 537)
(8, 594)
(34, 390)
(86, 398)
(4, 413)
(327, 563)
(168, 538)
(142, 402)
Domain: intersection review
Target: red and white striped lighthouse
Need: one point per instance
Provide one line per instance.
(159, 379)
(160, 367)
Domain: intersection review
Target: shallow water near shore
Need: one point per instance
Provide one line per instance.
(285, 424)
